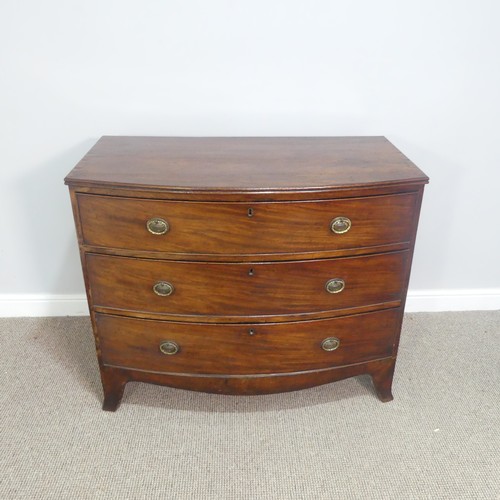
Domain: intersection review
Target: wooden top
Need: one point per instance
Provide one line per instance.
(246, 164)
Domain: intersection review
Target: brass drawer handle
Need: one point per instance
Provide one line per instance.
(340, 225)
(169, 347)
(330, 344)
(157, 225)
(335, 285)
(163, 288)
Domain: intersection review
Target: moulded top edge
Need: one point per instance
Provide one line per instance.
(232, 165)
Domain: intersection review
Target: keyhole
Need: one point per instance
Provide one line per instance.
(250, 212)
(251, 332)
(250, 272)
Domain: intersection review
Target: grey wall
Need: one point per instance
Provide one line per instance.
(426, 74)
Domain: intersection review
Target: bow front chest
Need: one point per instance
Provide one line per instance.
(245, 265)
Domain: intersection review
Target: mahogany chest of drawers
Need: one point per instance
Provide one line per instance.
(245, 265)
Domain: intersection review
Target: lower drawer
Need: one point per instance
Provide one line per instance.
(245, 348)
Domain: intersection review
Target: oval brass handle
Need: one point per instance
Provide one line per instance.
(157, 225)
(330, 344)
(335, 285)
(163, 288)
(169, 347)
(340, 225)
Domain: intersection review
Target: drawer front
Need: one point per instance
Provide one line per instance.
(250, 289)
(245, 349)
(242, 229)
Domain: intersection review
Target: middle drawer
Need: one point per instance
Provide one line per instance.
(245, 289)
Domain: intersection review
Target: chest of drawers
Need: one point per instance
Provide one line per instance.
(245, 265)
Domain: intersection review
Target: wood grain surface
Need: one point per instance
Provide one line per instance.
(241, 290)
(245, 228)
(244, 163)
(246, 349)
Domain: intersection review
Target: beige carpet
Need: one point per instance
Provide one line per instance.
(439, 438)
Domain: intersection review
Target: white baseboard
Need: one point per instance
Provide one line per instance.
(474, 299)
(40, 305)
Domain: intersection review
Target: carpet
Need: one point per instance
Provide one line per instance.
(438, 439)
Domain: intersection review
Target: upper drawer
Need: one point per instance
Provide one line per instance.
(212, 228)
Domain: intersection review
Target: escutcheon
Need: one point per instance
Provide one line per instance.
(340, 225)
(163, 288)
(157, 226)
(330, 344)
(335, 285)
(169, 347)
